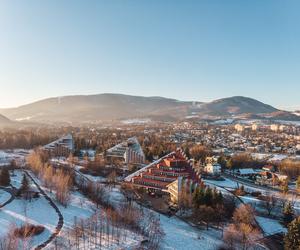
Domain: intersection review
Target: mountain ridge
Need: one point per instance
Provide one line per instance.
(4, 120)
(110, 106)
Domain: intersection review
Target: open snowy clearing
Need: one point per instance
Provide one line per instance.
(181, 236)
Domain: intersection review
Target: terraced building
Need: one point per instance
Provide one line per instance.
(158, 175)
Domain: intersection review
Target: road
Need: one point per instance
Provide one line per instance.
(251, 184)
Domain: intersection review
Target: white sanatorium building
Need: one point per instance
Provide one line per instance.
(61, 147)
(129, 151)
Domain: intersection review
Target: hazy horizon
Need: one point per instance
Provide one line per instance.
(193, 51)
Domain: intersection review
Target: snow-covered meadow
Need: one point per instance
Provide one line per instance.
(4, 196)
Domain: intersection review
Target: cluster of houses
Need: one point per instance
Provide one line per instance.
(265, 176)
(262, 176)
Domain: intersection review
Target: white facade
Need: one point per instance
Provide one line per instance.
(213, 168)
(239, 127)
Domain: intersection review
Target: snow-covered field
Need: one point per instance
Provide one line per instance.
(4, 196)
(181, 236)
(227, 183)
(17, 154)
(250, 200)
(270, 226)
(37, 212)
(81, 207)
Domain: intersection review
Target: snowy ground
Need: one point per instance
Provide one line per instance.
(270, 226)
(16, 178)
(4, 196)
(82, 208)
(115, 197)
(79, 206)
(19, 211)
(181, 236)
(6, 156)
(37, 212)
(178, 234)
(251, 200)
(95, 178)
(227, 183)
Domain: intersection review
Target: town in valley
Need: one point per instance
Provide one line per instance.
(201, 184)
(149, 125)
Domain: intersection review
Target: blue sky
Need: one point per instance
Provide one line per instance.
(189, 50)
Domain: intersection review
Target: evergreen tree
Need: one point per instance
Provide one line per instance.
(292, 238)
(219, 198)
(25, 184)
(214, 196)
(187, 152)
(208, 197)
(222, 161)
(198, 197)
(288, 213)
(4, 177)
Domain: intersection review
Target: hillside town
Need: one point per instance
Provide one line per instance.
(149, 125)
(183, 172)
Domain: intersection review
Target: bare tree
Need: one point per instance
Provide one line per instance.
(269, 203)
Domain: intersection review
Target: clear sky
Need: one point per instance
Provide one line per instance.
(189, 50)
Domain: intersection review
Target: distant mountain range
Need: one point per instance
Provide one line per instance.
(4, 120)
(110, 107)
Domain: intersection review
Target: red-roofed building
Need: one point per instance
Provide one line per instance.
(159, 174)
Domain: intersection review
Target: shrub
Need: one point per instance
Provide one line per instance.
(256, 194)
(28, 230)
(4, 177)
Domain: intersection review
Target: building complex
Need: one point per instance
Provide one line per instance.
(129, 151)
(167, 174)
(64, 146)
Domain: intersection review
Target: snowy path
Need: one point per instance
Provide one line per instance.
(36, 212)
(60, 220)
